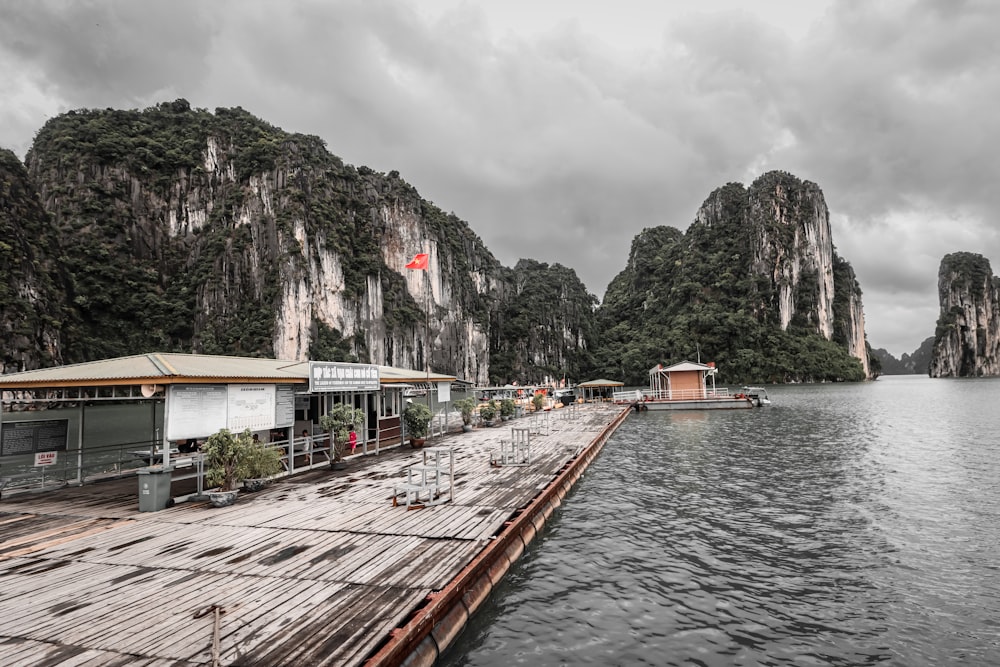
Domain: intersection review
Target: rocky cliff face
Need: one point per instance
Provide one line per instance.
(967, 339)
(853, 321)
(792, 247)
(32, 288)
(183, 230)
(235, 237)
(785, 226)
(753, 284)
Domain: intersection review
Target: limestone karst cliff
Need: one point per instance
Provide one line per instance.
(235, 237)
(180, 229)
(967, 337)
(183, 229)
(32, 288)
(754, 284)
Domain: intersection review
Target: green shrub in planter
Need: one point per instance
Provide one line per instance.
(338, 422)
(488, 412)
(226, 458)
(466, 406)
(262, 461)
(417, 418)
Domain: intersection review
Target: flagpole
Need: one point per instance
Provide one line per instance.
(419, 263)
(427, 335)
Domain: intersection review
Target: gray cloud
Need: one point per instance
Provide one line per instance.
(560, 147)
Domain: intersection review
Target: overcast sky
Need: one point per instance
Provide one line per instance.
(560, 129)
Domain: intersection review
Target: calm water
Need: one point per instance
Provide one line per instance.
(842, 525)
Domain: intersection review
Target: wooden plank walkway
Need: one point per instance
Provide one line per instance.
(317, 569)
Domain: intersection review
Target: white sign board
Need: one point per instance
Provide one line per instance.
(251, 406)
(444, 392)
(199, 410)
(286, 402)
(45, 458)
(325, 376)
(196, 410)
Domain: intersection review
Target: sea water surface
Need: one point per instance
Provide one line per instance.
(845, 524)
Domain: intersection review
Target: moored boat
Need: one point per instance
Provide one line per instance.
(758, 395)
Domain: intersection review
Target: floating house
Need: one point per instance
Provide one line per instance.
(685, 386)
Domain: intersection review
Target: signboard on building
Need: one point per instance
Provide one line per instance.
(45, 458)
(199, 410)
(251, 406)
(29, 437)
(327, 376)
(284, 406)
(196, 410)
(444, 392)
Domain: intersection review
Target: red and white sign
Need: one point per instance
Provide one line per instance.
(45, 458)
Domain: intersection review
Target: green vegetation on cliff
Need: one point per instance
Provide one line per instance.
(33, 308)
(181, 229)
(685, 296)
(916, 363)
(148, 274)
(967, 335)
(542, 328)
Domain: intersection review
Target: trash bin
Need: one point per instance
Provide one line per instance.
(154, 488)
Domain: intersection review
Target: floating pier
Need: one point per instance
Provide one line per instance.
(318, 569)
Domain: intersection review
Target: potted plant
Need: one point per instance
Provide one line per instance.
(506, 408)
(537, 401)
(416, 417)
(262, 462)
(339, 422)
(488, 412)
(466, 406)
(225, 457)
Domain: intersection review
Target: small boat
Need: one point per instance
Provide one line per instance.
(757, 395)
(565, 395)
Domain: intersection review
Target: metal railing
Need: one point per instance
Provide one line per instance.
(669, 394)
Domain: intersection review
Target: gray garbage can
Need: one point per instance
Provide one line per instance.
(154, 488)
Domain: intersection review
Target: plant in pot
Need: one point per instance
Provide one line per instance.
(466, 406)
(338, 422)
(416, 417)
(537, 401)
(506, 408)
(488, 412)
(262, 463)
(226, 458)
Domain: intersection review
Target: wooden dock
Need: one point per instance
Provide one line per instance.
(317, 569)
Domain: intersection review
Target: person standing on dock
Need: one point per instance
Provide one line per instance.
(307, 445)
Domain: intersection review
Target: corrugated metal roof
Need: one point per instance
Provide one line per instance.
(601, 383)
(689, 366)
(176, 368)
(393, 374)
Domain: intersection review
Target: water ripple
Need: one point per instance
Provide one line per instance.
(844, 525)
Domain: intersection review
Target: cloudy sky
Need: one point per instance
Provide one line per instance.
(559, 129)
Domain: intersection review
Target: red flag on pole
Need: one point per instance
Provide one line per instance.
(419, 262)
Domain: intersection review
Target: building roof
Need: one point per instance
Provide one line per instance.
(162, 368)
(394, 375)
(601, 383)
(685, 366)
